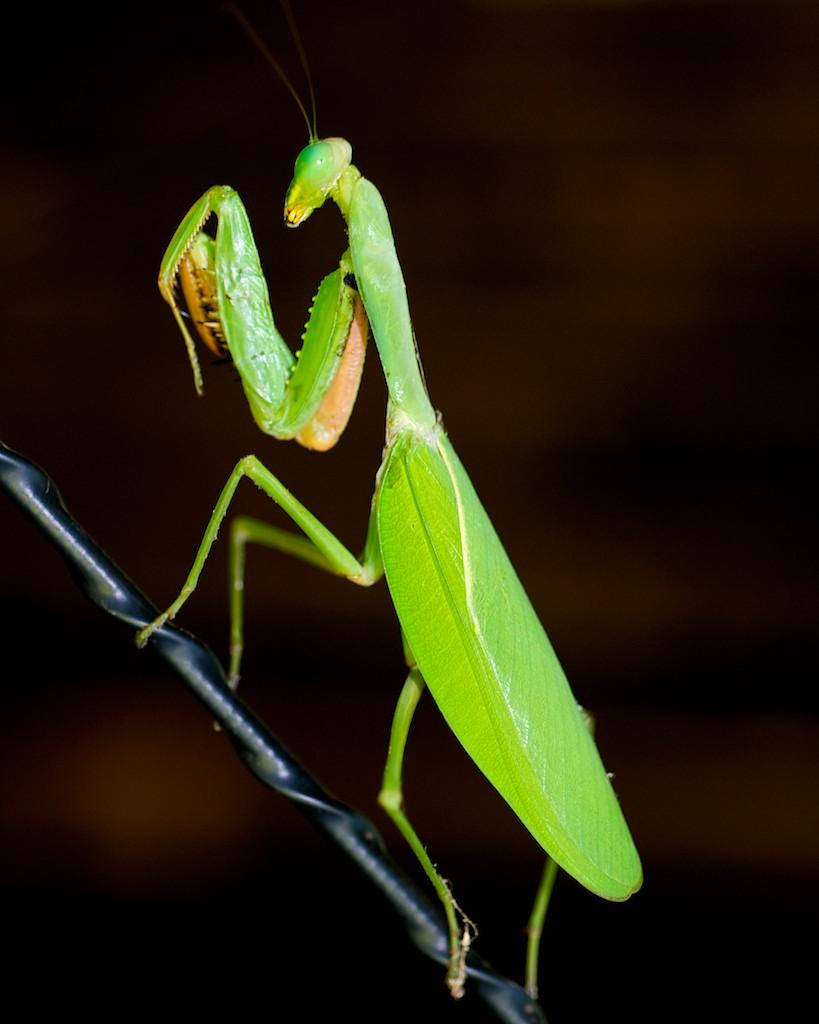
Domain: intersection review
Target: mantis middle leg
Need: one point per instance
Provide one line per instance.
(318, 546)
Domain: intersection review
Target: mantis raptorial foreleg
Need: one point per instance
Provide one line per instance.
(319, 546)
(307, 396)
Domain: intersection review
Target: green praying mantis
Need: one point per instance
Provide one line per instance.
(470, 633)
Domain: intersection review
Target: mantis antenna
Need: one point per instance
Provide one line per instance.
(294, 32)
(263, 49)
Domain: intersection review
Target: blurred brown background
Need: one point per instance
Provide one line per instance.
(608, 219)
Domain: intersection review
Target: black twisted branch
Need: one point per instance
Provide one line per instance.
(264, 755)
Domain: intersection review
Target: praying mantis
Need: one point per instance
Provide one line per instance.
(470, 633)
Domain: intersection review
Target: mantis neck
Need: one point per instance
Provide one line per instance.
(342, 192)
(381, 285)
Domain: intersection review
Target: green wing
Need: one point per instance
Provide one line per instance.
(491, 668)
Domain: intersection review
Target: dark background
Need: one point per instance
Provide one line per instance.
(608, 219)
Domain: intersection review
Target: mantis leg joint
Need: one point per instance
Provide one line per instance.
(391, 800)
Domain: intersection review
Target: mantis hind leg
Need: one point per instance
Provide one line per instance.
(534, 929)
(391, 799)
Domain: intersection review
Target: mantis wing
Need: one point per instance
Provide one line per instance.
(491, 668)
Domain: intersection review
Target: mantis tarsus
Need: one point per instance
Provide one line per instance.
(470, 633)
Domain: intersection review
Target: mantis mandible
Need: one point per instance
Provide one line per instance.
(470, 633)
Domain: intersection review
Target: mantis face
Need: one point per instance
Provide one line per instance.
(317, 169)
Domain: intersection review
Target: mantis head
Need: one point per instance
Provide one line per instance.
(317, 170)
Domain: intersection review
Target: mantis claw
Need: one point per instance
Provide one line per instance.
(145, 634)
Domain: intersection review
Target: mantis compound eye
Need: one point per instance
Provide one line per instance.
(317, 169)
